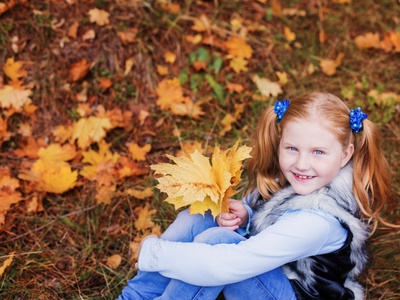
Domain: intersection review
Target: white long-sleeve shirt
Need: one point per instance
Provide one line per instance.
(296, 234)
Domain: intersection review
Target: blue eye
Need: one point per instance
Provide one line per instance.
(292, 149)
(319, 152)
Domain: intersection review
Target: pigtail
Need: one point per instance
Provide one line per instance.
(371, 185)
(263, 168)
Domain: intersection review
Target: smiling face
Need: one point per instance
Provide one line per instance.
(310, 155)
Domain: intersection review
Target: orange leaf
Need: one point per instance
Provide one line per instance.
(162, 70)
(139, 153)
(73, 30)
(199, 65)
(369, 40)
(114, 261)
(234, 87)
(105, 83)
(99, 16)
(14, 69)
(8, 193)
(79, 69)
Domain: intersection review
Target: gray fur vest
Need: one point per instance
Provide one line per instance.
(337, 199)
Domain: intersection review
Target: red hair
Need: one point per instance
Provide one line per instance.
(371, 184)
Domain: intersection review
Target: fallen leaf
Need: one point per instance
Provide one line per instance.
(139, 153)
(144, 219)
(140, 194)
(114, 261)
(227, 124)
(8, 193)
(73, 30)
(13, 69)
(238, 64)
(89, 35)
(14, 96)
(162, 70)
(104, 83)
(169, 57)
(267, 87)
(128, 36)
(368, 40)
(290, 36)
(99, 16)
(201, 24)
(9, 260)
(89, 130)
(234, 87)
(237, 47)
(79, 69)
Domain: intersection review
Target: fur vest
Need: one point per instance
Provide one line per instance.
(333, 275)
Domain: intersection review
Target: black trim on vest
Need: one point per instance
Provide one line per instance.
(330, 271)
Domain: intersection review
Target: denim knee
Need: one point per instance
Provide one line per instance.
(219, 235)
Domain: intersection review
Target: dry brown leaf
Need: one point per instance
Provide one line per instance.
(267, 87)
(128, 36)
(89, 35)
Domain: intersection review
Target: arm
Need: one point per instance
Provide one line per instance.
(295, 235)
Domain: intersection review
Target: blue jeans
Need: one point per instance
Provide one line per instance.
(196, 228)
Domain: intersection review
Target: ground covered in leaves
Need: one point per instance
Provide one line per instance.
(94, 92)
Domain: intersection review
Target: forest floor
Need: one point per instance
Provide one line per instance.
(93, 92)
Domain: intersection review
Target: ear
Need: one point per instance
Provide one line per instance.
(347, 154)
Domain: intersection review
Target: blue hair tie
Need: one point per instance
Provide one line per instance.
(356, 117)
(280, 108)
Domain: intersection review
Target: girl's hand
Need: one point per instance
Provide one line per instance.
(140, 247)
(236, 217)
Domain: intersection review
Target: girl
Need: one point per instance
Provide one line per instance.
(317, 182)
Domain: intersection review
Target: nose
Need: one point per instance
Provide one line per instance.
(302, 162)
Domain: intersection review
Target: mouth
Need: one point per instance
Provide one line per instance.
(302, 177)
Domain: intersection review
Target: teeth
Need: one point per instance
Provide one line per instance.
(303, 177)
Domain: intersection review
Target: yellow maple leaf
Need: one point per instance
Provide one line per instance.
(63, 133)
(192, 180)
(267, 87)
(50, 176)
(187, 108)
(13, 69)
(140, 194)
(237, 47)
(89, 130)
(100, 165)
(227, 123)
(10, 258)
(169, 57)
(16, 97)
(57, 153)
(238, 64)
(99, 16)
